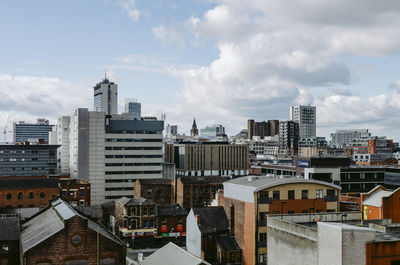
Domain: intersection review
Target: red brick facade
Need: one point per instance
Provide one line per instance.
(31, 197)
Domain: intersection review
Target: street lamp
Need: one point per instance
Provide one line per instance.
(283, 202)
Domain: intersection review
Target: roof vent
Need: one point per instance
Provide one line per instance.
(251, 178)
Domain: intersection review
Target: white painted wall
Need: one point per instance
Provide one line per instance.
(193, 235)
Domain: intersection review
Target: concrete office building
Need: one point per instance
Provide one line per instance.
(172, 130)
(132, 106)
(262, 129)
(341, 138)
(24, 131)
(60, 136)
(208, 159)
(306, 116)
(111, 152)
(106, 97)
(288, 137)
(28, 160)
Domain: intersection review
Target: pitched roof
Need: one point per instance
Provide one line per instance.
(9, 229)
(212, 219)
(139, 201)
(29, 183)
(170, 210)
(375, 199)
(171, 254)
(228, 243)
(93, 211)
(51, 220)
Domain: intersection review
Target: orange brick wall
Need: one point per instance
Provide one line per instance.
(382, 253)
(372, 212)
(391, 207)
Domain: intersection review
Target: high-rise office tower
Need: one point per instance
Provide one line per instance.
(172, 130)
(288, 137)
(25, 131)
(132, 106)
(60, 136)
(106, 97)
(262, 129)
(111, 152)
(306, 116)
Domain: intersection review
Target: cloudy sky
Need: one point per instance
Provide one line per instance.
(220, 61)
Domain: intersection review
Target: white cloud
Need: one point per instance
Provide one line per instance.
(169, 34)
(129, 7)
(271, 53)
(30, 97)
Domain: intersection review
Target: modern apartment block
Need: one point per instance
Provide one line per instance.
(24, 131)
(132, 106)
(262, 129)
(341, 138)
(288, 137)
(208, 158)
(249, 200)
(306, 116)
(28, 160)
(106, 97)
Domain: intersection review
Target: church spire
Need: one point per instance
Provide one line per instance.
(194, 131)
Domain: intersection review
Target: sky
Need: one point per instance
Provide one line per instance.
(219, 61)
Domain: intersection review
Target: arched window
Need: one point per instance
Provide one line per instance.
(9, 196)
(20, 196)
(30, 195)
(42, 195)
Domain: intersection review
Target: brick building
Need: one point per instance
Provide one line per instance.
(171, 219)
(59, 235)
(158, 190)
(208, 236)
(28, 192)
(381, 203)
(9, 241)
(75, 191)
(262, 129)
(197, 191)
(249, 200)
(135, 216)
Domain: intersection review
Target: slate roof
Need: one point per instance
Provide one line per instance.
(9, 229)
(228, 243)
(136, 201)
(170, 210)
(171, 254)
(28, 183)
(212, 219)
(50, 221)
(93, 211)
(202, 179)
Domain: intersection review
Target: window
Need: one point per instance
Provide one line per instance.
(263, 194)
(82, 192)
(30, 195)
(290, 212)
(145, 210)
(151, 223)
(320, 194)
(263, 236)
(9, 196)
(144, 224)
(20, 196)
(304, 194)
(149, 191)
(276, 195)
(304, 211)
(330, 192)
(291, 195)
(151, 211)
(42, 195)
(164, 220)
(261, 258)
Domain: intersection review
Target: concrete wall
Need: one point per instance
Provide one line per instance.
(329, 244)
(290, 243)
(193, 235)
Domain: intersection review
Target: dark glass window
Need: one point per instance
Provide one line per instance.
(304, 194)
(9, 196)
(42, 195)
(276, 195)
(20, 196)
(291, 195)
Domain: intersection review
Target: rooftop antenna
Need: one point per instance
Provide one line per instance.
(105, 73)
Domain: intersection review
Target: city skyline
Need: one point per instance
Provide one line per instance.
(221, 62)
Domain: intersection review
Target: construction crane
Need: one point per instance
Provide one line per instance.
(5, 131)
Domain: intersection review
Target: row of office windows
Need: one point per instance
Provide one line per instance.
(131, 140)
(131, 164)
(133, 156)
(20, 195)
(132, 172)
(292, 194)
(134, 132)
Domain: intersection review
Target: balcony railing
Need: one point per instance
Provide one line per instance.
(265, 200)
(331, 198)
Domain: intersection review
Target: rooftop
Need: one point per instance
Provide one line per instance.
(28, 183)
(205, 179)
(155, 181)
(212, 219)
(261, 182)
(228, 243)
(136, 201)
(9, 229)
(170, 210)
